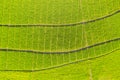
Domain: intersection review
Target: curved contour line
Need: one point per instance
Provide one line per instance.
(61, 25)
(91, 58)
(65, 52)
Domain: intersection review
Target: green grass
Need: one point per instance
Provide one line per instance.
(67, 40)
(58, 12)
(104, 68)
(50, 39)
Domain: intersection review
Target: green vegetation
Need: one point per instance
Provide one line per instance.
(19, 41)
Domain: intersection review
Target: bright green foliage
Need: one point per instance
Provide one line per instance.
(59, 39)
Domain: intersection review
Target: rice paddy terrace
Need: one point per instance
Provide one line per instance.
(42, 36)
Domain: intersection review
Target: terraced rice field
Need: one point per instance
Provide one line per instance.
(59, 40)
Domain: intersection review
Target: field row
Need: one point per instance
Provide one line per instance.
(54, 12)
